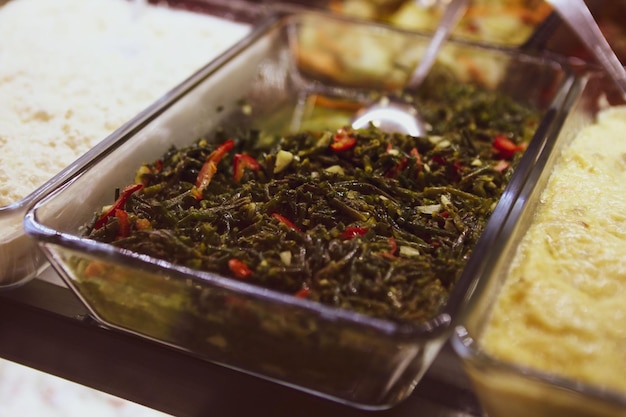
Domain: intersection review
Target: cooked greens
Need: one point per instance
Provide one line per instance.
(364, 220)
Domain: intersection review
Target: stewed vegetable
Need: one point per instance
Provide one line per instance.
(377, 223)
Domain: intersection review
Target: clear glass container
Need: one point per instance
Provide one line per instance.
(266, 83)
(512, 389)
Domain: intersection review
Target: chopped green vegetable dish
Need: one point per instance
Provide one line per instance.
(364, 220)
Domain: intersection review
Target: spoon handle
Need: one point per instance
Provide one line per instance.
(451, 15)
(577, 15)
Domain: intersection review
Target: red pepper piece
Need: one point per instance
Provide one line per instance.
(242, 162)
(418, 159)
(505, 147)
(239, 268)
(352, 232)
(393, 244)
(118, 204)
(221, 150)
(440, 160)
(124, 224)
(303, 292)
(342, 141)
(393, 173)
(205, 176)
(209, 168)
(458, 167)
(391, 254)
(286, 222)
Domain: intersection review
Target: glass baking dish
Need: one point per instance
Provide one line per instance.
(512, 387)
(118, 46)
(265, 85)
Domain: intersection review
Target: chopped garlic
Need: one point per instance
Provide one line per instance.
(335, 169)
(283, 159)
(409, 251)
(285, 257)
(429, 209)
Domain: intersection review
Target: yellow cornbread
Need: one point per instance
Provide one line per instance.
(563, 306)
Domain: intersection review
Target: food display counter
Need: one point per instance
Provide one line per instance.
(52, 324)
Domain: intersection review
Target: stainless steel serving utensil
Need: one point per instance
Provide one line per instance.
(577, 15)
(394, 115)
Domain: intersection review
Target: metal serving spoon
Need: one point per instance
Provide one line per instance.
(577, 15)
(394, 115)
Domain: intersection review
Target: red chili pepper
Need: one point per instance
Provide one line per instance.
(242, 162)
(205, 176)
(505, 147)
(239, 268)
(342, 141)
(209, 168)
(117, 205)
(221, 150)
(393, 173)
(418, 159)
(286, 222)
(393, 244)
(391, 254)
(352, 232)
(440, 160)
(458, 167)
(124, 224)
(303, 292)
